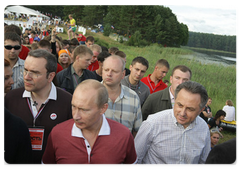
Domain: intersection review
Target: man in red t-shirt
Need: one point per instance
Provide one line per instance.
(33, 35)
(90, 137)
(81, 38)
(154, 80)
(96, 49)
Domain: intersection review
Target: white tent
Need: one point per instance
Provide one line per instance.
(7, 12)
(24, 10)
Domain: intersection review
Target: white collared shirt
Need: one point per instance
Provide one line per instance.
(52, 95)
(161, 139)
(105, 130)
(171, 97)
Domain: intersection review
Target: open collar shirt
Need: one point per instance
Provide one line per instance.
(162, 140)
(35, 112)
(126, 109)
(171, 97)
(105, 130)
(141, 89)
(76, 78)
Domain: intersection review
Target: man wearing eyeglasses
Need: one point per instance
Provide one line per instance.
(40, 104)
(12, 48)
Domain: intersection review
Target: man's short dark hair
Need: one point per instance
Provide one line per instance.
(183, 68)
(13, 28)
(33, 32)
(162, 62)
(44, 44)
(51, 65)
(74, 42)
(13, 36)
(104, 48)
(195, 88)
(65, 42)
(113, 50)
(101, 57)
(81, 50)
(121, 54)
(141, 60)
(90, 38)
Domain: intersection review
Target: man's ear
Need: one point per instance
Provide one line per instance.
(51, 76)
(123, 74)
(130, 67)
(104, 108)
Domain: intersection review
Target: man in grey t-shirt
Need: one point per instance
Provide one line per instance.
(138, 68)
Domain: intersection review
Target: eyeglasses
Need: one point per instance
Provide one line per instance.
(31, 74)
(9, 47)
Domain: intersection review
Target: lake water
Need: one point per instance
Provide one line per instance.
(209, 57)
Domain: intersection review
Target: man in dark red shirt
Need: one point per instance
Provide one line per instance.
(90, 137)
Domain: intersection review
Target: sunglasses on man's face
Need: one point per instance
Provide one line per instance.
(9, 47)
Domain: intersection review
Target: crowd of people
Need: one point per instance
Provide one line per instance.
(73, 101)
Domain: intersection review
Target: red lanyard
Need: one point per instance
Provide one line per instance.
(41, 108)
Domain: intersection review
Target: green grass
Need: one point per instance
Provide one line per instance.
(219, 81)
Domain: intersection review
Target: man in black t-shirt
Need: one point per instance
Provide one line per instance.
(207, 113)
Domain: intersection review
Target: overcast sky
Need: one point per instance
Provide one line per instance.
(216, 19)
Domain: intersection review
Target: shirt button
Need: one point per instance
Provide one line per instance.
(88, 146)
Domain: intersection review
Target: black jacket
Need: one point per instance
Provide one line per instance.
(17, 142)
(156, 102)
(65, 80)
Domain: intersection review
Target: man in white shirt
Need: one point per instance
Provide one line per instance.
(178, 135)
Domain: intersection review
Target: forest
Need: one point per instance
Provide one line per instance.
(212, 41)
(145, 24)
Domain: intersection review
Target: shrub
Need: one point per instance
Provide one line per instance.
(107, 30)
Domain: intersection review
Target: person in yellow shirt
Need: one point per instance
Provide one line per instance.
(72, 27)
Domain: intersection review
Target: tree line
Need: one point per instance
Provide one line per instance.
(153, 24)
(212, 41)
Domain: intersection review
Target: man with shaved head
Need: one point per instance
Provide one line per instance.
(123, 103)
(90, 137)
